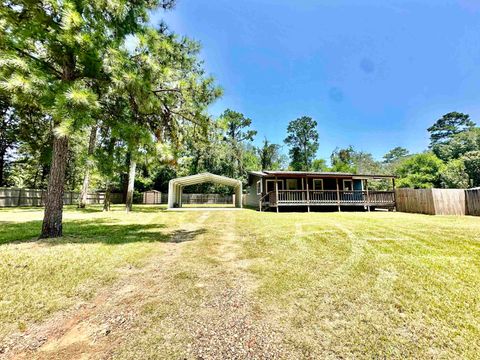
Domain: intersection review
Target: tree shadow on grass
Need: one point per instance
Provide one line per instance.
(96, 231)
(120, 208)
(137, 208)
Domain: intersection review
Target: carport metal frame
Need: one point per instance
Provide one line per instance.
(175, 187)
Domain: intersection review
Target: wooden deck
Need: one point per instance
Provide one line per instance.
(328, 198)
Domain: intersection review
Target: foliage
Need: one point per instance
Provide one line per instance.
(449, 125)
(472, 167)
(319, 165)
(52, 56)
(33, 153)
(269, 156)
(445, 128)
(349, 160)
(236, 133)
(459, 145)
(395, 154)
(302, 139)
(419, 171)
(9, 125)
(454, 175)
(342, 160)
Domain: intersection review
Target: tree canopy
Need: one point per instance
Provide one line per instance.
(302, 140)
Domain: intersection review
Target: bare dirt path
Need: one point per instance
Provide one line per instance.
(228, 324)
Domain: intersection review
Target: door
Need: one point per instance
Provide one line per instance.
(347, 194)
(271, 185)
(347, 185)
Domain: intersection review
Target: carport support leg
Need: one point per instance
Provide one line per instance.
(170, 194)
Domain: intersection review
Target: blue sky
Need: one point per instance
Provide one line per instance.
(374, 74)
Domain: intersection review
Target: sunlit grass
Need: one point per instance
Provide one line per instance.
(369, 285)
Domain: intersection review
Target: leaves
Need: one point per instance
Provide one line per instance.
(420, 171)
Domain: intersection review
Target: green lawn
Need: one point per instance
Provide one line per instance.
(322, 285)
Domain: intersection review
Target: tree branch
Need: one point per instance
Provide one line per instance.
(42, 62)
(165, 90)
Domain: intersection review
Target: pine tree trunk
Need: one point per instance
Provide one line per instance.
(2, 167)
(52, 220)
(82, 200)
(131, 183)
(106, 200)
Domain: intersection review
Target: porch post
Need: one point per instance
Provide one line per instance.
(338, 194)
(276, 192)
(308, 195)
(394, 195)
(368, 195)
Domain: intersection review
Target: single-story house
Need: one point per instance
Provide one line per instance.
(309, 190)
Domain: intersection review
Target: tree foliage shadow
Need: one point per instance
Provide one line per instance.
(96, 231)
(118, 208)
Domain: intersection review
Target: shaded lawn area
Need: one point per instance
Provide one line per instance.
(336, 285)
(38, 278)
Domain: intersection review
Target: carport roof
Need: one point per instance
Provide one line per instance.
(206, 177)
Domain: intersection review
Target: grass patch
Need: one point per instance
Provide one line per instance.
(38, 278)
(369, 285)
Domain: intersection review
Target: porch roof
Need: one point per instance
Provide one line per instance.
(268, 173)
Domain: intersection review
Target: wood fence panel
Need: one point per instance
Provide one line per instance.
(206, 199)
(12, 197)
(418, 201)
(449, 201)
(472, 198)
(435, 201)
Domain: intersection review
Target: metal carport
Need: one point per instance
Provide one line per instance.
(175, 187)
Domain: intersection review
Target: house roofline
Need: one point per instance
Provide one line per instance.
(267, 173)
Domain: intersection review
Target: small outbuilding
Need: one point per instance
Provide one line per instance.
(152, 197)
(175, 187)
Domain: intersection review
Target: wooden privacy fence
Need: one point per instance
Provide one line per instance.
(438, 201)
(11, 197)
(473, 201)
(203, 199)
(207, 199)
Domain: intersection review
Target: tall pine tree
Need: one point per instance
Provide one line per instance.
(51, 53)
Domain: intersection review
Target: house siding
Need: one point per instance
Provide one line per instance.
(251, 198)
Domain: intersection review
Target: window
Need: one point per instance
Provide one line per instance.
(317, 184)
(292, 184)
(347, 185)
(271, 185)
(259, 187)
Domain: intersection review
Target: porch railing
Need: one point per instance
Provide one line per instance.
(342, 197)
